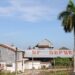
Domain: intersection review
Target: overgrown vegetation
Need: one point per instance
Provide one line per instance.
(55, 73)
(63, 61)
(6, 73)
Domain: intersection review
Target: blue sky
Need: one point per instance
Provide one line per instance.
(26, 22)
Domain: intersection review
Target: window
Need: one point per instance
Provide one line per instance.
(9, 65)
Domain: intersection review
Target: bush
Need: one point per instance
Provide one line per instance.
(63, 61)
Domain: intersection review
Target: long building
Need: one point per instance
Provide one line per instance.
(43, 53)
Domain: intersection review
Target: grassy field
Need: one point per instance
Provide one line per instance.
(40, 72)
(55, 73)
(7, 73)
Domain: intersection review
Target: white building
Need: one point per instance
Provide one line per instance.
(8, 58)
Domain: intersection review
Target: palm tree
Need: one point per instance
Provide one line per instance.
(68, 21)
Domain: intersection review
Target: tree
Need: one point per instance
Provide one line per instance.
(63, 62)
(68, 21)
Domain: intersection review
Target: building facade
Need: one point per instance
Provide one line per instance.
(41, 55)
(8, 58)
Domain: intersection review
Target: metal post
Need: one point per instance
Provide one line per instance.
(32, 65)
(74, 61)
(22, 66)
(74, 53)
(54, 67)
(16, 61)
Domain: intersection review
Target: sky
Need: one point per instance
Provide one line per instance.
(24, 23)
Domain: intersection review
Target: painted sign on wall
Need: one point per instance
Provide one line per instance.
(48, 53)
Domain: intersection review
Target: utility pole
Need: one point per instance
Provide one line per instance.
(16, 60)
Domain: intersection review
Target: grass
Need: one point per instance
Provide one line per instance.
(55, 73)
(7, 73)
(43, 72)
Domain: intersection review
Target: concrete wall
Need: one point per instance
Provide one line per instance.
(30, 65)
(7, 55)
(7, 58)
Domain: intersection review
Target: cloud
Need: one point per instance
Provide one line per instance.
(7, 11)
(28, 10)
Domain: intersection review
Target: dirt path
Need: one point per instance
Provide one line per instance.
(37, 72)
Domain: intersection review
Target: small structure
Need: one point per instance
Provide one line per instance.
(8, 59)
(44, 44)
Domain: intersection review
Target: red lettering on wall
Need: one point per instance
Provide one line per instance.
(65, 52)
(38, 52)
(60, 51)
(50, 52)
(33, 52)
(55, 52)
(70, 52)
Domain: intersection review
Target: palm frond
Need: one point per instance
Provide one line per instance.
(68, 17)
(71, 6)
(68, 24)
(62, 14)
